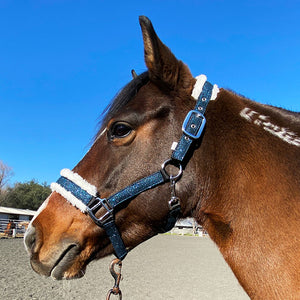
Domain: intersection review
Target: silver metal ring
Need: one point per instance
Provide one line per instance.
(175, 164)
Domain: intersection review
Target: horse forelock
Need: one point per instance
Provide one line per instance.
(121, 99)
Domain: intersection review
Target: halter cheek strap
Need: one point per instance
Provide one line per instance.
(194, 122)
(84, 196)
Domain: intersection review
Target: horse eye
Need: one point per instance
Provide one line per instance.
(120, 130)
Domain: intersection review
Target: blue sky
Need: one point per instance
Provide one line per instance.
(61, 62)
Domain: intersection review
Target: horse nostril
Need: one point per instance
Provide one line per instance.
(29, 239)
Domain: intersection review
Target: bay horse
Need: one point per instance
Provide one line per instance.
(238, 176)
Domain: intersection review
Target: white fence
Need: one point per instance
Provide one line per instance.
(12, 228)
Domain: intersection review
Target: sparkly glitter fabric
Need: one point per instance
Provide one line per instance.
(76, 190)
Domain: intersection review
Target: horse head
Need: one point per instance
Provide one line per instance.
(135, 138)
(240, 180)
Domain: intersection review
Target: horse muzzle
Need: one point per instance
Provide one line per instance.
(59, 264)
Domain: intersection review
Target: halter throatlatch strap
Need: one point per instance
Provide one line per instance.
(84, 195)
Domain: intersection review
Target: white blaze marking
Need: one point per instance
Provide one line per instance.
(264, 122)
(41, 208)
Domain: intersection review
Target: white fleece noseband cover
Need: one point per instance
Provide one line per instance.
(78, 180)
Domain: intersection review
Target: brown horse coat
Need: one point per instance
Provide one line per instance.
(241, 183)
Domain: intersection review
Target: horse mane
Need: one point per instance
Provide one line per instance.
(279, 111)
(286, 113)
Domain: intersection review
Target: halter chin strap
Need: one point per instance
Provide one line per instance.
(84, 196)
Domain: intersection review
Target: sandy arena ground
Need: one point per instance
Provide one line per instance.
(165, 267)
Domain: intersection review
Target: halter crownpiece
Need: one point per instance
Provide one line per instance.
(84, 196)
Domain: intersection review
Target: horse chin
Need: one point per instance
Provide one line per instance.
(63, 268)
(73, 262)
(58, 274)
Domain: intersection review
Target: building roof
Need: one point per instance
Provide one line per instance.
(17, 211)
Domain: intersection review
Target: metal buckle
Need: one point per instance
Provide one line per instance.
(95, 207)
(201, 120)
(174, 203)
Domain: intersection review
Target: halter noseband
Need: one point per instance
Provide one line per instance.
(84, 196)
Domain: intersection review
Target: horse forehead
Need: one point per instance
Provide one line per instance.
(149, 98)
(149, 94)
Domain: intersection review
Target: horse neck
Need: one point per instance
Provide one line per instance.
(236, 151)
(242, 166)
(217, 155)
(245, 192)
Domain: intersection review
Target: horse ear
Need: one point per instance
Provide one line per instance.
(163, 66)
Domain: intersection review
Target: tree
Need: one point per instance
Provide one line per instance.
(29, 195)
(5, 174)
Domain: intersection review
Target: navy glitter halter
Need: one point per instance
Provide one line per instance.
(84, 196)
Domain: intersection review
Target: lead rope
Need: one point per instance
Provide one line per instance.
(117, 277)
